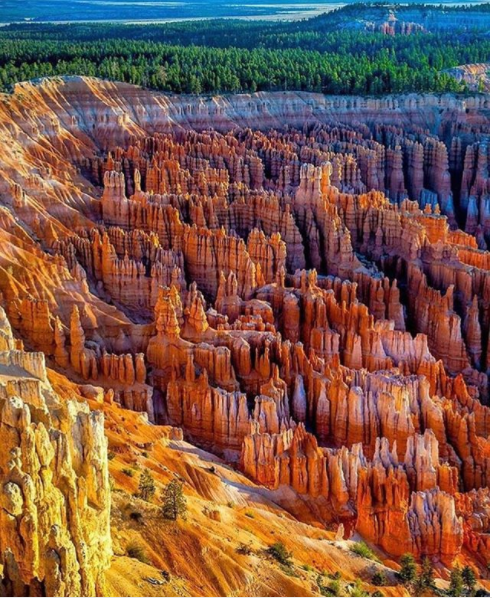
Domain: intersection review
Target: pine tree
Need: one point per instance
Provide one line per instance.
(427, 573)
(146, 485)
(174, 501)
(456, 582)
(469, 579)
(425, 580)
(408, 571)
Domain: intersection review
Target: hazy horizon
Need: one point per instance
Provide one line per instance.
(60, 11)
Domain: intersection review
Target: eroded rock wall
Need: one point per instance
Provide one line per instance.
(249, 268)
(55, 496)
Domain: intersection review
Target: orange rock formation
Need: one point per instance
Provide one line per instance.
(309, 301)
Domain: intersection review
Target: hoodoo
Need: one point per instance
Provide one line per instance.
(299, 282)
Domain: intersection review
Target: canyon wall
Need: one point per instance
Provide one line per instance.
(299, 282)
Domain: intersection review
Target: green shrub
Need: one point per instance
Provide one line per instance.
(128, 472)
(362, 549)
(280, 553)
(358, 591)
(333, 588)
(135, 551)
(379, 579)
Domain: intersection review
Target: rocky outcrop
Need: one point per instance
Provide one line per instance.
(401, 505)
(476, 76)
(55, 497)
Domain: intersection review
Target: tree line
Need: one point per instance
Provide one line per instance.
(235, 56)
